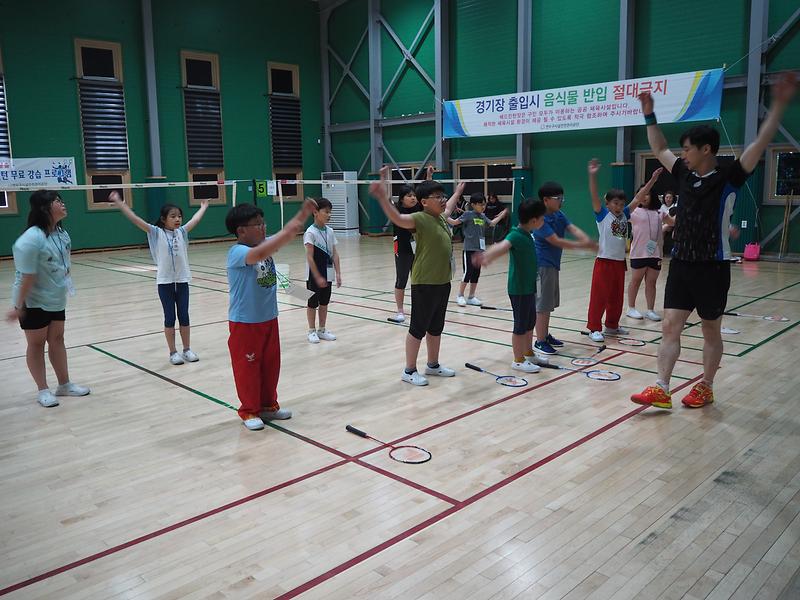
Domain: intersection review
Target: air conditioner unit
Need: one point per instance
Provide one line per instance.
(344, 198)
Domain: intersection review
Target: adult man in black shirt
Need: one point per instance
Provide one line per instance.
(699, 272)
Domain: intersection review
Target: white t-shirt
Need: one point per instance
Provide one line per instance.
(324, 242)
(169, 251)
(613, 233)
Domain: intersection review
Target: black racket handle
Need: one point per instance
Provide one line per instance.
(548, 366)
(731, 313)
(600, 349)
(358, 432)
(473, 367)
(484, 307)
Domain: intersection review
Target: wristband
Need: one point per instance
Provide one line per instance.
(650, 119)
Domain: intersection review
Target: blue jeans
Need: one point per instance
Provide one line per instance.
(172, 296)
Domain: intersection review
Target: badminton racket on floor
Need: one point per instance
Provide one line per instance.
(589, 361)
(289, 288)
(507, 380)
(728, 330)
(764, 317)
(484, 307)
(412, 455)
(625, 341)
(596, 374)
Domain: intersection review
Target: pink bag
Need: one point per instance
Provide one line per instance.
(752, 251)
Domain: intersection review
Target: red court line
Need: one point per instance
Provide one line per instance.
(626, 351)
(345, 460)
(312, 583)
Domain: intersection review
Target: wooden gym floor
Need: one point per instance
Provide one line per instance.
(151, 488)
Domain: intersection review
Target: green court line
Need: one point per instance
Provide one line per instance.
(162, 377)
(770, 338)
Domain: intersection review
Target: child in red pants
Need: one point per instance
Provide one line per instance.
(254, 342)
(608, 276)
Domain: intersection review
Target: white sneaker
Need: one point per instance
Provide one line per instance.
(652, 315)
(461, 301)
(190, 356)
(414, 378)
(253, 423)
(440, 371)
(596, 336)
(633, 313)
(72, 389)
(275, 415)
(474, 301)
(615, 332)
(399, 318)
(326, 335)
(526, 366)
(313, 337)
(175, 358)
(537, 359)
(46, 398)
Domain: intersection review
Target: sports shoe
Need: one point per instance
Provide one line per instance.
(190, 356)
(544, 347)
(313, 337)
(414, 378)
(72, 389)
(537, 360)
(526, 366)
(634, 314)
(596, 336)
(439, 371)
(175, 358)
(553, 341)
(653, 395)
(474, 301)
(615, 331)
(700, 395)
(46, 398)
(253, 422)
(652, 315)
(461, 301)
(399, 318)
(275, 415)
(326, 335)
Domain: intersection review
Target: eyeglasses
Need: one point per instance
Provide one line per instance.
(559, 198)
(439, 197)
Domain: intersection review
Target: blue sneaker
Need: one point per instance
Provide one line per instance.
(553, 341)
(544, 348)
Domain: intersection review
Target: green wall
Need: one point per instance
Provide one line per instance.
(573, 42)
(44, 116)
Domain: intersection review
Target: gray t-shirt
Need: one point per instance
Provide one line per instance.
(473, 225)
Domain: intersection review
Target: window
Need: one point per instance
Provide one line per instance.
(784, 175)
(8, 200)
(291, 191)
(403, 174)
(103, 122)
(499, 169)
(284, 117)
(203, 123)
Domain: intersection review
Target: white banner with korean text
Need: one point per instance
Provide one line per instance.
(693, 96)
(38, 172)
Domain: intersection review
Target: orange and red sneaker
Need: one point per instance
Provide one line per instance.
(700, 395)
(655, 396)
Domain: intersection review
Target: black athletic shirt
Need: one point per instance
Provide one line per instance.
(703, 218)
(402, 236)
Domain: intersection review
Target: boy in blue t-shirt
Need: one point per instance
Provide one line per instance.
(254, 342)
(550, 242)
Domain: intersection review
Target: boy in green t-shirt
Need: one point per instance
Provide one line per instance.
(432, 272)
(522, 269)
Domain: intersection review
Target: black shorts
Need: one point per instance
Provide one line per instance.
(402, 266)
(698, 285)
(524, 307)
(471, 272)
(428, 308)
(36, 318)
(321, 297)
(646, 263)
